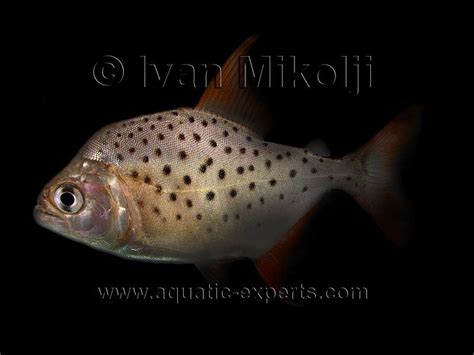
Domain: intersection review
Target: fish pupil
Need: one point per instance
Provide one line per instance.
(67, 198)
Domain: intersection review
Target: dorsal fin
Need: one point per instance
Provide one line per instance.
(231, 99)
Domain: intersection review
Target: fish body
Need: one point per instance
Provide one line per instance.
(214, 186)
(194, 186)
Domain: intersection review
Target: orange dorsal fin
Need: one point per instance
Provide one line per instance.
(229, 98)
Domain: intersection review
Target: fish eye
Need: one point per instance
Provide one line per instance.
(68, 198)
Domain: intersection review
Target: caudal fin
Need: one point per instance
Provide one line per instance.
(381, 160)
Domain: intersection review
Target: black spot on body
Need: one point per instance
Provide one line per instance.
(191, 119)
(313, 171)
(251, 167)
(226, 133)
(248, 138)
(166, 170)
(252, 186)
(279, 157)
(225, 217)
(249, 206)
(255, 152)
(233, 193)
(173, 196)
(139, 129)
(161, 136)
(130, 135)
(146, 159)
(175, 113)
(202, 168)
(116, 144)
(182, 155)
(134, 174)
(240, 170)
(131, 150)
(181, 137)
(178, 217)
(120, 157)
(305, 188)
(187, 179)
(147, 180)
(156, 210)
(152, 127)
(145, 141)
(242, 150)
(199, 216)
(209, 161)
(268, 163)
(170, 127)
(214, 121)
(282, 196)
(235, 129)
(158, 152)
(221, 174)
(262, 200)
(272, 182)
(189, 203)
(292, 173)
(227, 150)
(213, 143)
(210, 195)
(204, 123)
(304, 160)
(196, 137)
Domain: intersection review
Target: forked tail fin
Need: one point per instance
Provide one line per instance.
(381, 160)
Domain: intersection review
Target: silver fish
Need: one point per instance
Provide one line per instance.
(199, 185)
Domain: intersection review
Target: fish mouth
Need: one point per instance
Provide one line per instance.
(47, 218)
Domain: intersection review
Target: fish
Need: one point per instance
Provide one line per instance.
(202, 186)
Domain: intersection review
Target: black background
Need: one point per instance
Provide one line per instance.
(49, 283)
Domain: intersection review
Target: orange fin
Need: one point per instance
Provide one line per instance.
(382, 159)
(276, 265)
(216, 271)
(231, 99)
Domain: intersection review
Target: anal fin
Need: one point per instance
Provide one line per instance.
(216, 271)
(276, 266)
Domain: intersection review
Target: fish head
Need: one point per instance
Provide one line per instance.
(85, 203)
